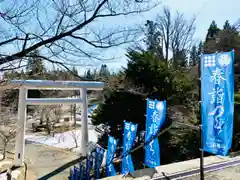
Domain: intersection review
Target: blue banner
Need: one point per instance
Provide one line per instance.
(99, 154)
(156, 114)
(89, 165)
(75, 173)
(217, 101)
(82, 170)
(71, 175)
(129, 136)
(112, 146)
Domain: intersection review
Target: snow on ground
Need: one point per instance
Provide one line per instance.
(65, 140)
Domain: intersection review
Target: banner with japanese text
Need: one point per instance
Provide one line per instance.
(129, 136)
(217, 101)
(89, 165)
(112, 146)
(156, 115)
(99, 154)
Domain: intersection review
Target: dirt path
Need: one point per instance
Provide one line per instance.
(44, 160)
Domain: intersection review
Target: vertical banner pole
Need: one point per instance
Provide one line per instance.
(201, 157)
(200, 129)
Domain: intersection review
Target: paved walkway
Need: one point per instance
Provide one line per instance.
(172, 171)
(232, 173)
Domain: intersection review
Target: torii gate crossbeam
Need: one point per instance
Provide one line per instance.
(25, 85)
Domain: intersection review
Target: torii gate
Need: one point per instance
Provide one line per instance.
(24, 85)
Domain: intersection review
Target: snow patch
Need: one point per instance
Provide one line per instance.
(65, 140)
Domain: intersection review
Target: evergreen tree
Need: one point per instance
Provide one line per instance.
(35, 70)
(229, 28)
(104, 72)
(35, 66)
(199, 52)
(94, 74)
(179, 59)
(193, 61)
(227, 25)
(74, 74)
(22, 74)
(195, 54)
(89, 75)
(147, 77)
(200, 49)
(212, 31)
(75, 71)
(153, 40)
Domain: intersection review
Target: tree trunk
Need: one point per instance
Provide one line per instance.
(76, 142)
(71, 112)
(41, 120)
(53, 129)
(4, 148)
(74, 114)
(48, 125)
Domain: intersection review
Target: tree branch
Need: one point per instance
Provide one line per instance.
(59, 22)
(59, 63)
(25, 42)
(52, 39)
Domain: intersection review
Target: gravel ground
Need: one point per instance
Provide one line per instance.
(42, 160)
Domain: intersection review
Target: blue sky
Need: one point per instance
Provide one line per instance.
(204, 10)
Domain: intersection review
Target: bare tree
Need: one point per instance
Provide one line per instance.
(176, 32)
(236, 25)
(49, 116)
(8, 128)
(182, 34)
(164, 23)
(53, 114)
(64, 31)
(76, 136)
(58, 112)
(7, 133)
(73, 111)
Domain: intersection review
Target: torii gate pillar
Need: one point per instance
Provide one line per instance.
(24, 85)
